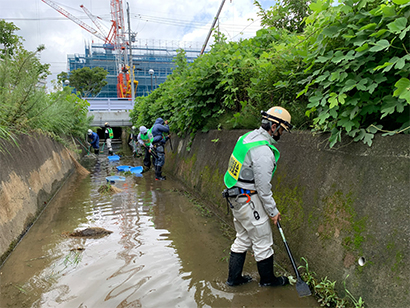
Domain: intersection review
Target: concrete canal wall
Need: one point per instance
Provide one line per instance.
(30, 175)
(340, 207)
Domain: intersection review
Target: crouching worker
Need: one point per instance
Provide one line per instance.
(250, 170)
(94, 140)
(160, 133)
(145, 141)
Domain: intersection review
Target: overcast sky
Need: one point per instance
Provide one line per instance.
(171, 20)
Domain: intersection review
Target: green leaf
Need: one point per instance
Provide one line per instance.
(368, 138)
(403, 33)
(380, 45)
(349, 85)
(397, 25)
(335, 137)
(387, 109)
(401, 1)
(361, 85)
(321, 59)
(400, 63)
(354, 112)
(368, 26)
(372, 87)
(379, 33)
(314, 101)
(322, 117)
(362, 48)
(331, 31)
(317, 6)
(386, 64)
(323, 77)
(339, 56)
(347, 124)
(388, 11)
(403, 89)
(333, 100)
(335, 75)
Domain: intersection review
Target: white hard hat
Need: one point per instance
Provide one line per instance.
(143, 130)
(278, 115)
(133, 127)
(90, 132)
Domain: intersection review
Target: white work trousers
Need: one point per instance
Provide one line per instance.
(251, 232)
(109, 146)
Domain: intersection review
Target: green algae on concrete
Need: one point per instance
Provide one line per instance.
(289, 202)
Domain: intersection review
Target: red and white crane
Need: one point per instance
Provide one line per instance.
(115, 39)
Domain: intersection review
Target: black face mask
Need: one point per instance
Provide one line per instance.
(277, 137)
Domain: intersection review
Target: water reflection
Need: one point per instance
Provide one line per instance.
(163, 252)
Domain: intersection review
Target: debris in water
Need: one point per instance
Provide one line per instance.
(89, 232)
(108, 189)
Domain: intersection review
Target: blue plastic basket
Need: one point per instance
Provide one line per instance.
(115, 178)
(136, 170)
(124, 168)
(113, 158)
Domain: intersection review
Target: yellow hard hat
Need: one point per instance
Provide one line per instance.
(278, 115)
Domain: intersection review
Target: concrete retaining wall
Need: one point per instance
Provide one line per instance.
(29, 176)
(339, 205)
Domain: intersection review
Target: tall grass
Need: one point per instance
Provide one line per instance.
(26, 107)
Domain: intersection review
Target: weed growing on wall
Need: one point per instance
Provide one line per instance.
(324, 290)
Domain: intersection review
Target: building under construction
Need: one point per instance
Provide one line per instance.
(152, 61)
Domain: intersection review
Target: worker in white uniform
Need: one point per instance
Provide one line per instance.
(251, 168)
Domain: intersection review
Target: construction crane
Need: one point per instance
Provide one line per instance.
(115, 39)
(94, 19)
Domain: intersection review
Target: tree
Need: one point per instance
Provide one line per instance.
(8, 39)
(87, 81)
(286, 14)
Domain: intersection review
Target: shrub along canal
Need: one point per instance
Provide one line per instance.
(165, 250)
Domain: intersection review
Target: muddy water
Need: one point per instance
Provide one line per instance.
(165, 251)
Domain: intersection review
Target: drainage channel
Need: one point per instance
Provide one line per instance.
(165, 250)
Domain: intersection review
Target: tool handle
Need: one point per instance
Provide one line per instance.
(170, 143)
(288, 250)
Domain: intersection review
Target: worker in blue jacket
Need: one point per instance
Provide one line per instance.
(94, 140)
(160, 133)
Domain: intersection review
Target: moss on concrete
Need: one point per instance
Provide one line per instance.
(340, 219)
(289, 202)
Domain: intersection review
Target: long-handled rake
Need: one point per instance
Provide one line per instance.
(301, 287)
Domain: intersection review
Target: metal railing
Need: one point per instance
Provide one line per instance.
(110, 104)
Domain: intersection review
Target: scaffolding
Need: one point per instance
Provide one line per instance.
(147, 55)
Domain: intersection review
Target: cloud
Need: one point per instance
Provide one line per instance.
(177, 20)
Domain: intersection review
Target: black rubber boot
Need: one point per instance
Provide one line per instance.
(145, 169)
(158, 174)
(236, 262)
(268, 278)
(96, 151)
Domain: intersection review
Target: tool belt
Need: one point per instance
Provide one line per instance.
(236, 192)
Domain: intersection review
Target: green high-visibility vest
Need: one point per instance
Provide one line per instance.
(110, 132)
(147, 138)
(238, 157)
